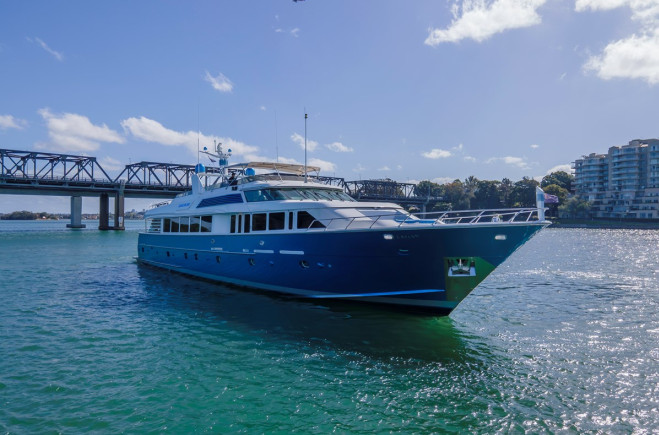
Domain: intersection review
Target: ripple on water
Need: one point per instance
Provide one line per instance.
(562, 338)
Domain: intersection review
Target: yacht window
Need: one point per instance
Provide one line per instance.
(175, 225)
(259, 222)
(290, 220)
(206, 224)
(194, 224)
(305, 220)
(167, 226)
(292, 194)
(247, 219)
(233, 223)
(277, 221)
(184, 225)
(240, 223)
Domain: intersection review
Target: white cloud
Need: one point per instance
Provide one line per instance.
(633, 57)
(324, 165)
(153, 131)
(636, 57)
(469, 159)
(436, 153)
(384, 168)
(565, 168)
(359, 168)
(8, 121)
(263, 108)
(443, 180)
(481, 19)
(72, 132)
(294, 32)
(56, 54)
(110, 164)
(299, 139)
(220, 82)
(520, 162)
(339, 147)
(535, 146)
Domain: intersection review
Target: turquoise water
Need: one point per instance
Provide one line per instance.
(564, 337)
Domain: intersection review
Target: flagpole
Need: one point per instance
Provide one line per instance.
(305, 148)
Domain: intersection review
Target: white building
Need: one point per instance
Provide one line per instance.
(622, 184)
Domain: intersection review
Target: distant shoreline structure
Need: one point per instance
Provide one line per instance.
(607, 224)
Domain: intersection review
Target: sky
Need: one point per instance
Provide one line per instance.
(408, 90)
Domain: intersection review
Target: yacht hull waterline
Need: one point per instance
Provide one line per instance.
(287, 232)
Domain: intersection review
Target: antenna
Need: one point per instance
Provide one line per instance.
(306, 176)
(276, 137)
(198, 132)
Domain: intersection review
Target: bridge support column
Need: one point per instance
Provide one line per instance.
(76, 213)
(104, 212)
(119, 211)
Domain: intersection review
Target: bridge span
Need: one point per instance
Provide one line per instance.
(42, 173)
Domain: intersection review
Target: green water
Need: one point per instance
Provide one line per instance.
(564, 337)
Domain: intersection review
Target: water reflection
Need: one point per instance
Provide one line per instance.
(371, 330)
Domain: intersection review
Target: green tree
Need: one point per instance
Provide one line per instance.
(486, 195)
(560, 193)
(523, 194)
(505, 192)
(428, 189)
(559, 178)
(575, 208)
(454, 193)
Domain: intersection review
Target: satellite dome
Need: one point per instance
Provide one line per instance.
(249, 172)
(199, 168)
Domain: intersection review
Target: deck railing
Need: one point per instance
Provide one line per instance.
(398, 220)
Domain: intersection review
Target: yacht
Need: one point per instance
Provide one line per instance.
(278, 227)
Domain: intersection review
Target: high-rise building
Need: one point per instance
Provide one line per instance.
(622, 184)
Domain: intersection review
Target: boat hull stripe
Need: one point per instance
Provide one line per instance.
(363, 295)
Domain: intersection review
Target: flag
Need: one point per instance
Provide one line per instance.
(551, 199)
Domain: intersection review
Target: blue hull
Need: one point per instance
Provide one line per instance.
(409, 267)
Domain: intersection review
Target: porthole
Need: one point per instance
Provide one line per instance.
(217, 258)
(168, 253)
(251, 261)
(304, 264)
(185, 254)
(196, 257)
(142, 248)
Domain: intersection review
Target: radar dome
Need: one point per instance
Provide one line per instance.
(249, 172)
(199, 168)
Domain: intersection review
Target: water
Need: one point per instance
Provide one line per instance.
(564, 337)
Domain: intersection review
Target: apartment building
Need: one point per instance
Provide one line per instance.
(622, 184)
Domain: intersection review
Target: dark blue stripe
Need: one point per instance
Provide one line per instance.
(234, 198)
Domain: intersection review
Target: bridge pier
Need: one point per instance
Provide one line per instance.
(76, 213)
(103, 212)
(119, 211)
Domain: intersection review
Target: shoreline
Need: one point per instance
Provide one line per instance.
(604, 224)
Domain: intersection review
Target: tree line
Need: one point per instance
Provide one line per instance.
(473, 193)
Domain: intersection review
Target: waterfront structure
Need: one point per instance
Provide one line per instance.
(283, 230)
(622, 184)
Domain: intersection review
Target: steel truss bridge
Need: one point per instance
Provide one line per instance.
(41, 173)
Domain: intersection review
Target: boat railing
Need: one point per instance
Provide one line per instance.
(457, 217)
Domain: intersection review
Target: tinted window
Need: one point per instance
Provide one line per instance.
(258, 222)
(206, 224)
(305, 220)
(194, 224)
(277, 221)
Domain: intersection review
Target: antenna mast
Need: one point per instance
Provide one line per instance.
(306, 176)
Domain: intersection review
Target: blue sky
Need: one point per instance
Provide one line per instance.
(409, 90)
